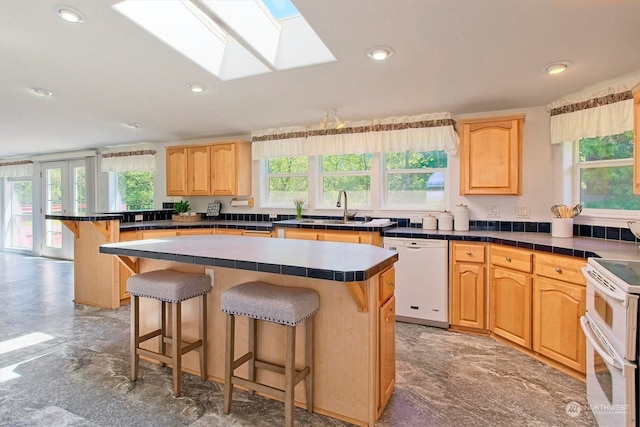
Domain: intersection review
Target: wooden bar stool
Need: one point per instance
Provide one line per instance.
(277, 304)
(171, 288)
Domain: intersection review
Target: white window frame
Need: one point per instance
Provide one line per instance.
(318, 187)
(265, 176)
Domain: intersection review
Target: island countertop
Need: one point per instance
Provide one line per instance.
(341, 262)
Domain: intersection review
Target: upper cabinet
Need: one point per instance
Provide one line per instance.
(491, 155)
(636, 139)
(221, 169)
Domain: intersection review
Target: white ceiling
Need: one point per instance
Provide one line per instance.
(461, 56)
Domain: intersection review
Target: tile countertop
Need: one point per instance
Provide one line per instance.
(582, 247)
(340, 262)
(205, 223)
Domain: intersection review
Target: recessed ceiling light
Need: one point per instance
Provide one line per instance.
(197, 87)
(557, 67)
(379, 53)
(70, 14)
(133, 125)
(44, 93)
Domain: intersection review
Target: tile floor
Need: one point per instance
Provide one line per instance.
(78, 375)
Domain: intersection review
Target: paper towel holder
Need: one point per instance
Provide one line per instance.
(242, 202)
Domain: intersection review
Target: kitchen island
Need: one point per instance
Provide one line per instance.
(354, 332)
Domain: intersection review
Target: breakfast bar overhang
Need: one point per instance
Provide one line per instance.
(354, 352)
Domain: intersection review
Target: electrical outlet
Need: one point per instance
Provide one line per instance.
(138, 217)
(273, 216)
(522, 212)
(415, 219)
(492, 211)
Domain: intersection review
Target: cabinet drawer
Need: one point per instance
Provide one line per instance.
(387, 283)
(567, 269)
(516, 259)
(468, 253)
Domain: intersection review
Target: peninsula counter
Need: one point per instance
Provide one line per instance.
(354, 329)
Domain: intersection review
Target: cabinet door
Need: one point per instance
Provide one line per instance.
(490, 156)
(510, 306)
(176, 169)
(468, 295)
(194, 231)
(224, 170)
(387, 350)
(295, 233)
(157, 234)
(230, 231)
(199, 171)
(557, 334)
(339, 236)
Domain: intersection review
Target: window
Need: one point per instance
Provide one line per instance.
(605, 173)
(350, 172)
(19, 222)
(133, 190)
(287, 179)
(415, 179)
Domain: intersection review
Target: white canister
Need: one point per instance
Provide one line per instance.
(445, 221)
(429, 222)
(461, 218)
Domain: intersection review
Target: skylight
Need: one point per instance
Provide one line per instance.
(230, 38)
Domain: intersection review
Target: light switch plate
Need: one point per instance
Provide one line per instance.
(273, 216)
(139, 217)
(492, 211)
(522, 212)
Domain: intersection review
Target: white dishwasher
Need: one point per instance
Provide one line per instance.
(422, 286)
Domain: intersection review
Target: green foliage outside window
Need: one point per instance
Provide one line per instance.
(416, 178)
(136, 189)
(287, 177)
(349, 172)
(606, 172)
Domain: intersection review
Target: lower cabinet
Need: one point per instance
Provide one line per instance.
(347, 236)
(510, 306)
(467, 296)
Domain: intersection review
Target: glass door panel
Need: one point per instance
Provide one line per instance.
(19, 221)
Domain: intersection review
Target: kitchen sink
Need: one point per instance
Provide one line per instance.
(330, 221)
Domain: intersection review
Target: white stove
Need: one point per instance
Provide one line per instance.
(611, 328)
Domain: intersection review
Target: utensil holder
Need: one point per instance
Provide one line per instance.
(561, 227)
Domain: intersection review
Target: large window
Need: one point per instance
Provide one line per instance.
(134, 190)
(604, 171)
(349, 172)
(287, 179)
(415, 180)
(19, 219)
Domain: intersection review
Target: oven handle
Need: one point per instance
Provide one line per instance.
(618, 296)
(595, 342)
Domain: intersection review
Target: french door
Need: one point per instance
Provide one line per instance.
(64, 187)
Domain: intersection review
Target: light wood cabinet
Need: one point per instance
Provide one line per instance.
(636, 139)
(198, 170)
(222, 169)
(346, 236)
(557, 334)
(176, 170)
(387, 284)
(468, 286)
(510, 306)
(231, 169)
(491, 155)
(157, 234)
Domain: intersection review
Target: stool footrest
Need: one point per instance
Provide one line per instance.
(154, 355)
(272, 391)
(300, 374)
(242, 360)
(150, 335)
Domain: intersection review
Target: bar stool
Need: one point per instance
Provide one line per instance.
(277, 304)
(171, 288)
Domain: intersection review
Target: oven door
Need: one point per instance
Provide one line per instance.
(611, 388)
(616, 312)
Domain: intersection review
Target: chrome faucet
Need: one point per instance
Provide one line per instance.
(344, 214)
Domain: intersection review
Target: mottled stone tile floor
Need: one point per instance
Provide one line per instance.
(79, 376)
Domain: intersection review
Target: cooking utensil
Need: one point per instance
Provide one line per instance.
(555, 210)
(576, 209)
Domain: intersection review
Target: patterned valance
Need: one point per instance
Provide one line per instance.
(425, 132)
(125, 158)
(604, 110)
(16, 169)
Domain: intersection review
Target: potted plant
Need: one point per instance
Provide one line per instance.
(181, 207)
(183, 212)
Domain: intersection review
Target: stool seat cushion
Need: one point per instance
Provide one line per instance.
(277, 304)
(167, 285)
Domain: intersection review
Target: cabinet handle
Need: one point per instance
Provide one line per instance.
(558, 270)
(469, 253)
(508, 258)
(390, 283)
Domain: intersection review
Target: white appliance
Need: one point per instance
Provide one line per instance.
(422, 290)
(611, 327)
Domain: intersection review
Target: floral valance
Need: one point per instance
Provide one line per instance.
(600, 111)
(126, 158)
(425, 132)
(16, 169)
